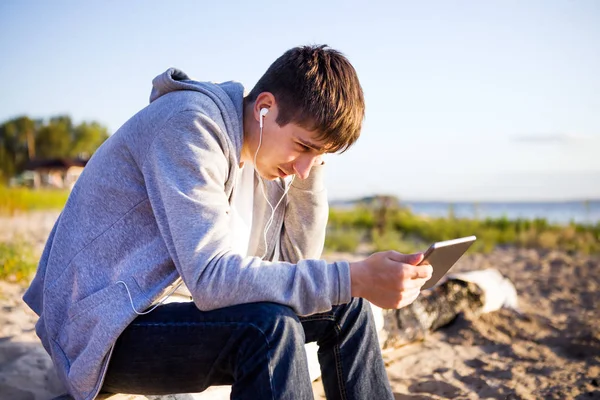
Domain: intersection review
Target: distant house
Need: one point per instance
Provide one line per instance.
(60, 173)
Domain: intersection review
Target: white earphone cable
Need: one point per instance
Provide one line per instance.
(156, 305)
(262, 186)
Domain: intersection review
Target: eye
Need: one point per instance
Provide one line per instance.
(303, 147)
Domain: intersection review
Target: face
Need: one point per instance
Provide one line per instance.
(285, 150)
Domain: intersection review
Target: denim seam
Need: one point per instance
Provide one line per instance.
(336, 350)
(338, 365)
(177, 323)
(317, 318)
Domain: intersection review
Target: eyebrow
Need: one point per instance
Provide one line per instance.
(313, 146)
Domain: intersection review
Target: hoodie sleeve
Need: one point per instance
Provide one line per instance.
(185, 172)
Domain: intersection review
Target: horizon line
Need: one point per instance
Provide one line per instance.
(475, 201)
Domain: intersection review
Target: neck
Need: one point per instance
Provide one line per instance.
(250, 132)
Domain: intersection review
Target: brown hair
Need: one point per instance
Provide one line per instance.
(316, 88)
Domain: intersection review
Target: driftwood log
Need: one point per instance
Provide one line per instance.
(432, 310)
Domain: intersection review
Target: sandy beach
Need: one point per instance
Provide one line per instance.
(550, 348)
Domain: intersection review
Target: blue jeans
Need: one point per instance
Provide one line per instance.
(257, 348)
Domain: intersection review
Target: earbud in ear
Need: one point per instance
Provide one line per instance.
(263, 112)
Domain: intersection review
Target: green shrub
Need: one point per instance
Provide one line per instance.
(359, 217)
(394, 240)
(401, 224)
(343, 239)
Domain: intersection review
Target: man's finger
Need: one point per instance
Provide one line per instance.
(415, 283)
(421, 271)
(412, 259)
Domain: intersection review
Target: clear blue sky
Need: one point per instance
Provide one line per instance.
(492, 100)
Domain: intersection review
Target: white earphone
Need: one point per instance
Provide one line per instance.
(263, 112)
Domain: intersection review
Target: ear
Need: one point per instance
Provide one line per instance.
(265, 100)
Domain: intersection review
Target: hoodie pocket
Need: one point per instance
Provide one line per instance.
(93, 323)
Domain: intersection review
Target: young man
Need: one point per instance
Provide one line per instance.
(195, 187)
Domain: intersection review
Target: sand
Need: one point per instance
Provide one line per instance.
(549, 349)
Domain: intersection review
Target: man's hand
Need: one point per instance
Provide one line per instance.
(389, 279)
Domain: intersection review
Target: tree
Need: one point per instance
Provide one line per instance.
(55, 139)
(16, 144)
(23, 139)
(87, 137)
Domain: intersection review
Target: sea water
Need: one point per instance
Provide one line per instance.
(581, 212)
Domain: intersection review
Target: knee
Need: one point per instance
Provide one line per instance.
(358, 307)
(359, 312)
(276, 322)
(269, 329)
(369, 311)
(272, 313)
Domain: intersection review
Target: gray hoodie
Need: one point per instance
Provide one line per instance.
(152, 206)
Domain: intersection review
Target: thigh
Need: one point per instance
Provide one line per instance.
(179, 349)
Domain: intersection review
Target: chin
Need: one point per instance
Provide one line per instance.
(268, 176)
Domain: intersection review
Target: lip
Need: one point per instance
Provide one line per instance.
(282, 174)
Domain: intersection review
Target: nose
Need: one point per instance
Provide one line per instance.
(303, 165)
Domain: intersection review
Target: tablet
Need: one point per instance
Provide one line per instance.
(443, 255)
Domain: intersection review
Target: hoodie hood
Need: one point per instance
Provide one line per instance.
(228, 96)
(174, 79)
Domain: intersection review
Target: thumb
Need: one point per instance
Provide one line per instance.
(412, 259)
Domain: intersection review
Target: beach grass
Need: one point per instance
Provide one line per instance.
(399, 229)
(15, 200)
(17, 261)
